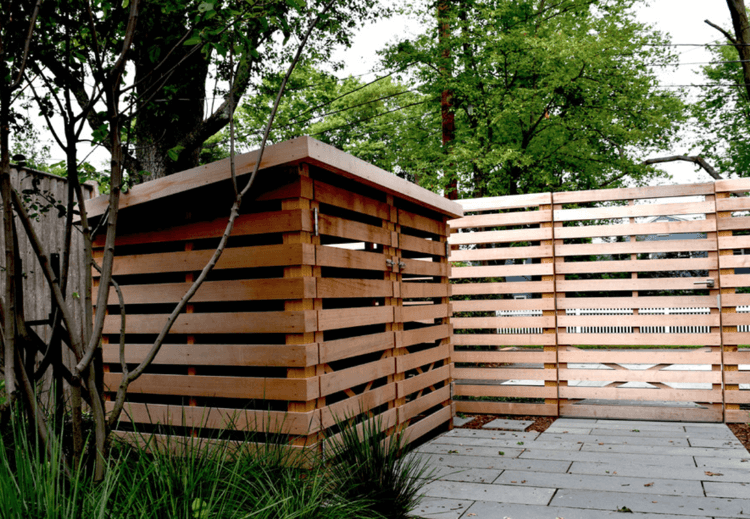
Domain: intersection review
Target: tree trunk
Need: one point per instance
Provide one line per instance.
(171, 99)
(742, 31)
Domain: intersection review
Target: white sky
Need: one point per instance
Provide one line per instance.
(683, 19)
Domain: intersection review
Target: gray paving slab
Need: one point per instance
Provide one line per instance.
(655, 504)
(480, 433)
(737, 463)
(641, 426)
(568, 430)
(718, 444)
(718, 432)
(644, 422)
(500, 442)
(491, 452)
(485, 510)
(470, 475)
(436, 508)
(684, 473)
(627, 440)
(460, 422)
(643, 485)
(482, 492)
(509, 425)
(435, 460)
(665, 450)
(575, 421)
(652, 433)
(740, 490)
(611, 457)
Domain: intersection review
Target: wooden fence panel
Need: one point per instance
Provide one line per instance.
(504, 319)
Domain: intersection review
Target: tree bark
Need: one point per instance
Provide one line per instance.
(697, 159)
(742, 32)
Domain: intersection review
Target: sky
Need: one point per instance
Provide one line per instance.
(682, 19)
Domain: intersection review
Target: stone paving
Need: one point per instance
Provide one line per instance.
(588, 469)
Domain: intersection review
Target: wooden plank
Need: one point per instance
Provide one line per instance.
(345, 409)
(735, 299)
(232, 322)
(493, 339)
(413, 243)
(424, 312)
(640, 339)
(732, 186)
(463, 289)
(638, 247)
(232, 258)
(498, 271)
(501, 253)
(351, 377)
(639, 320)
(327, 256)
(209, 291)
(424, 335)
(427, 424)
(357, 231)
(523, 235)
(491, 305)
(410, 385)
(735, 319)
(302, 389)
(422, 404)
(505, 202)
(624, 375)
(597, 213)
(618, 285)
(425, 268)
(501, 219)
(738, 397)
(503, 408)
(650, 265)
(735, 416)
(245, 225)
(640, 302)
(737, 222)
(740, 280)
(331, 351)
(410, 361)
(633, 193)
(420, 290)
(733, 204)
(332, 195)
(351, 288)
(646, 395)
(501, 357)
(296, 150)
(631, 229)
(736, 377)
(734, 261)
(734, 242)
(737, 357)
(504, 374)
(282, 355)
(641, 357)
(422, 223)
(514, 391)
(338, 318)
(676, 414)
(276, 422)
(504, 322)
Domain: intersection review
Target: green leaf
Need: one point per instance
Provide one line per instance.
(205, 6)
(195, 40)
(174, 153)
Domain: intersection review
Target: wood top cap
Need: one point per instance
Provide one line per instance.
(302, 149)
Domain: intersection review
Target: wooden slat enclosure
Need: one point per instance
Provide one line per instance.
(332, 300)
(597, 304)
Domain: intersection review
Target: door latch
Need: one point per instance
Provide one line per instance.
(709, 282)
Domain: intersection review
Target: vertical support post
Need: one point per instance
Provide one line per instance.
(189, 309)
(446, 300)
(394, 275)
(714, 293)
(725, 348)
(547, 295)
(633, 275)
(558, 311)
(305, 201)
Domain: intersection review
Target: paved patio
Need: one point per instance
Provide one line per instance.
(589, 469)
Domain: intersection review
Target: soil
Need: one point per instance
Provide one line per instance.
(541, 423)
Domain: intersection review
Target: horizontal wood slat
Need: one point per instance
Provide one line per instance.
(501, 219)
(498, 271)
(197, 324)
(639, 229)
(492, 339)
(351, 377)
(415, 244)
(463, 289)
(527, 357)
(331, 351)
(653, 265)
(353, 288)
(332, 195)
(641, 357)
(418, 290)
(638, 247)
(640, 339)
(505, 390)
(504, 374)
(624, 375)
(430, 378)
(502, 253)
(504, 322)
(466, 238)
(350, 259)
(425, 268)
(419, 405)
(415, 360)
(422, 223)
(596, 213)
(341, 228)
(485, 305)
(349, 317)
(632, 193)
(505, 202)
(345, 409)
(503, 408)
(424, 335)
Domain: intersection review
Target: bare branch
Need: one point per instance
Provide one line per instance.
(697, 159)
(726, 34)
(27, 45)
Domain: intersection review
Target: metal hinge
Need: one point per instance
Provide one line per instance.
(447, 249)
(316, 226)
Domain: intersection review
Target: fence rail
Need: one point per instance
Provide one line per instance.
(611, 303)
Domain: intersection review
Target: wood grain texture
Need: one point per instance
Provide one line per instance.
(650, 265)
(353, 288)
(422, 223)
(641, 357)
(420, 290)
(427, 424)
(499, 271)
(622, 375)
(502, 357)
(348, 317)
(638, 247)
(415, 360)
(419, 405)
(331, 351)
(463, 289)
(502, 253)
(508, 391)
(197, 324)
(345, 409)
(643, 339)
(604, 195)
(470, 238)
(350, 259)
(485, 305)
(501, 219)
(492, 339)
(676, 414)
(505, 202)
(504, 322)
(424, 335)
(639, 302)
(502, 408)
(332, 195)
(351, 377)
(413, 384)
(631, 229)
(504, 374)
(597, 213)
(645, 395)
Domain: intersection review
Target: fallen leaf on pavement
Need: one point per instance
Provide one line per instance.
(709, 473)
(649, 484)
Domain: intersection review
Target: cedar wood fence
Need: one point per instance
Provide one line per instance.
(622, 303)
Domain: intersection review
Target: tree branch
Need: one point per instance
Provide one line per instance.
(696, 159)
(726, 34)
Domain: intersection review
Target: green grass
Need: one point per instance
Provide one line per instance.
(367, 479)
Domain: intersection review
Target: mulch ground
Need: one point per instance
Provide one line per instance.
(541, 423)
